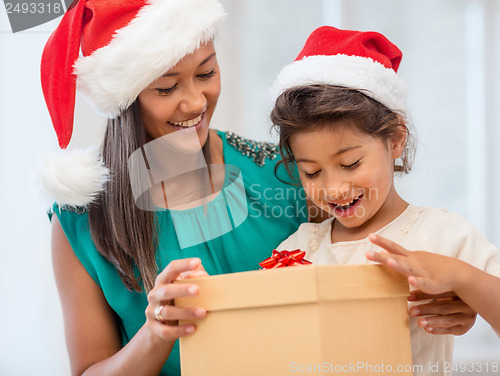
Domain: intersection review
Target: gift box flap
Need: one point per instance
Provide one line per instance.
(347, 282)
(295, 285)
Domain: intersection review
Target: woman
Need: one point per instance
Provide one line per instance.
(108, 245)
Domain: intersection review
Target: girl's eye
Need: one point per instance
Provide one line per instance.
(353, 165)
(166, 91)
(310, 176)
(205, 76)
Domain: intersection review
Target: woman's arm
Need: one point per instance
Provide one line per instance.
(437, 274)
(92, 334)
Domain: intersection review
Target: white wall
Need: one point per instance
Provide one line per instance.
(32, 340)
(259, 37)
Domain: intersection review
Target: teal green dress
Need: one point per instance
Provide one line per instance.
(273, 211)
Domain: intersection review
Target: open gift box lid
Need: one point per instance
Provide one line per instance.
(295, 285)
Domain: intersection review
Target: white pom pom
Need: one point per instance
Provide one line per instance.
(73, 177)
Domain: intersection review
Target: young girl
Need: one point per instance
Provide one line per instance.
(340, 112)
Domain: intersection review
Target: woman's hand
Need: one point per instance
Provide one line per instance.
(161, 315)
(444, 314)
(199, 271)
(435, 277)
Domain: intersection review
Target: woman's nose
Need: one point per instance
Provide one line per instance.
(194, 100)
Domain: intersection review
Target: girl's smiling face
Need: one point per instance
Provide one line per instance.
(349, 174)
(184, 98)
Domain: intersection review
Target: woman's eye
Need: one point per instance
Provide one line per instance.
(166, 91)
(353, 165)
(310, 176)
(205, 76)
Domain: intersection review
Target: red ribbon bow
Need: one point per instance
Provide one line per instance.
(283, 259)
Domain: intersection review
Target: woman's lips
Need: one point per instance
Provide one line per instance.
(196, 124)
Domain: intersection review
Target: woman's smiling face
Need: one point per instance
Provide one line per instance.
(347, 173)
(184, 98)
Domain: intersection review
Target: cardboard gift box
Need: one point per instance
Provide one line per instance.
(342, 320)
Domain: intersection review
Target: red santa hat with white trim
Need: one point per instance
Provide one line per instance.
(365, 61)
(125, 45)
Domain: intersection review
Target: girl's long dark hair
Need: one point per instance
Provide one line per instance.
(124, 234)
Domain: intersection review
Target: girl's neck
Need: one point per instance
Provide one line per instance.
(392, 208)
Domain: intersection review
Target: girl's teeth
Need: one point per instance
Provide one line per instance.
(188, 123)
(348, 204)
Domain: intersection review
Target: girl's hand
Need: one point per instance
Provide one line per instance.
(429, 272)
(435, 277)
(161, 315)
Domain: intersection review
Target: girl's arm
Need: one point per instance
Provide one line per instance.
(92, 334)
(437, 274)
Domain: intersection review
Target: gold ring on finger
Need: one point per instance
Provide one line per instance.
(158, 315)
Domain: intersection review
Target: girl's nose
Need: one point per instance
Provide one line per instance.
(338, 190)
(194, 100)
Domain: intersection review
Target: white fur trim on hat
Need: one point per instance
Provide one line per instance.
(73, 177)
(160, 35)
(361, 73)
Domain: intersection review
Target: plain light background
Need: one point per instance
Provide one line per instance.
(451, 65)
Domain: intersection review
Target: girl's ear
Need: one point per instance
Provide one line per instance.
(398, 140)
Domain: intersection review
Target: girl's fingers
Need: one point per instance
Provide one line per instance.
(420, 283)
(388, 245)
(400, 264)
(175, 268)
(395, 262)
(381, 257)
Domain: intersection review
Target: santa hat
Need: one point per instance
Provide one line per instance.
(365, 61)
(125, 45)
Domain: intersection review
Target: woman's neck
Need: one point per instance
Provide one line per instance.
(216, 148)
(188, 190)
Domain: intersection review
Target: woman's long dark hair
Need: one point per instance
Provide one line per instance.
(124, 234)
